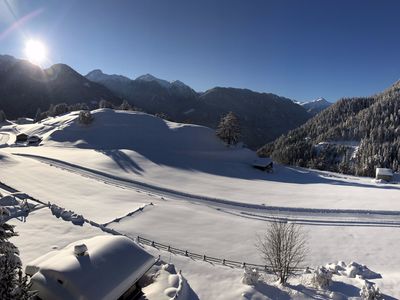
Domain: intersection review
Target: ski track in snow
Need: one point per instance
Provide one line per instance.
(312, 216)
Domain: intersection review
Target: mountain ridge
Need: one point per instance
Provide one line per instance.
(263, 116)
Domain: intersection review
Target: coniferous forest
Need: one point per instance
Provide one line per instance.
(353, 136)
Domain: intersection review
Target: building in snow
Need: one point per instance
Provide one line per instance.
(22, 137)
(264, 164)
(384, 174)
(34, 140)
(104, 267)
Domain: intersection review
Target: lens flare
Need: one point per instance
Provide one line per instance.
(35, 51)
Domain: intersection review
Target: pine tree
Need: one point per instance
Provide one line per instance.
(85, 117)
(13, 284)
(3, 117)
(38, 116)
(125, 105)
(105, 104)
(228, 129)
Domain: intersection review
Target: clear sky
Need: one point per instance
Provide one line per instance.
(301, 49)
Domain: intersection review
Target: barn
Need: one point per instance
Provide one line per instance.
(263, 164)
(102, 267)
(384, 174)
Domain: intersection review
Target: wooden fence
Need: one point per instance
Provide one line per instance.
(203, 257)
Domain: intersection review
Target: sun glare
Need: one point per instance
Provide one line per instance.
(35, 51)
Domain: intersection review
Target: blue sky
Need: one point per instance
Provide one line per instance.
(301, 49)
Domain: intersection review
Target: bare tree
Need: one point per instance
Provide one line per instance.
(283, 248)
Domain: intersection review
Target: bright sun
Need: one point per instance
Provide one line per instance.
(35, 51)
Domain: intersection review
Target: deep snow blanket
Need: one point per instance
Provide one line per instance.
(109, 267)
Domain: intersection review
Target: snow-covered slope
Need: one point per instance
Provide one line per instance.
(179, 185)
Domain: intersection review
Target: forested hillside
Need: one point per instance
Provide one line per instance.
(353, 136)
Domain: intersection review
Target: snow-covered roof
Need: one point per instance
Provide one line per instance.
(384, 171)
(109, 267)
(262, 162)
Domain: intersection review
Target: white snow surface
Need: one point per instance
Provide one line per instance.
(83, 277)
(207, 198)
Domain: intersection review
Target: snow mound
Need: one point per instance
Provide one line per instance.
(352, 270)
(113, 129)
(167, 284)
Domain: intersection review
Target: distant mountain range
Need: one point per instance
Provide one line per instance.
(263, 116)
(25, 87)
(315, 106)
(353, 135)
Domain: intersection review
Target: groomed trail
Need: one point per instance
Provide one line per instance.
(312, 216)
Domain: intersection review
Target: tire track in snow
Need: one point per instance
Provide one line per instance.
(256, 211)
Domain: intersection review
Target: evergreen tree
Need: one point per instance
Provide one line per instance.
(38, 116)
(13, 284)
(85, 117)
(228, 129)
(105, 104)
(125, 105)
(3, 117)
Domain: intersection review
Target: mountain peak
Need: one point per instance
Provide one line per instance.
(97, 75)
(148, 77)
(320, 99)
(95, 72)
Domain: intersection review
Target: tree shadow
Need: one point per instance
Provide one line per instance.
(271, 291)
(123, 161)
(345, 288)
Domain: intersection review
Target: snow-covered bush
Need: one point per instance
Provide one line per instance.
(322, 278)
(85, 117)
(352, 270)
(370, 292)
(250, 276)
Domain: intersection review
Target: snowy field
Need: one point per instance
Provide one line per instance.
(179, 185)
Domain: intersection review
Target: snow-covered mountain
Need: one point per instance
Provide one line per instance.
(315, 106)
(151, 78)
(98, 76)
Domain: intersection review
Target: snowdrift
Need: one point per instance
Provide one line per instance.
(113, 129)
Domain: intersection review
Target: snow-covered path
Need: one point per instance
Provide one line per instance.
(261, 212)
